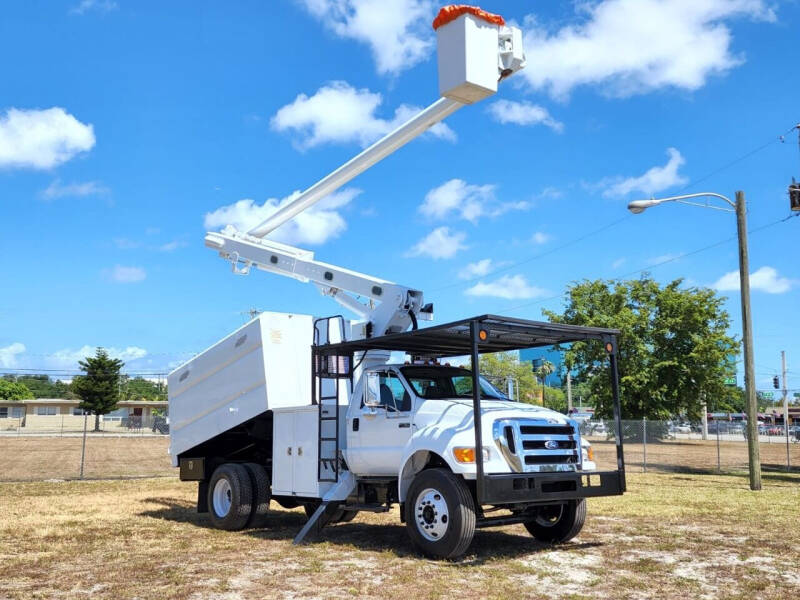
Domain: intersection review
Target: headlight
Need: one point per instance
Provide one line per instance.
(466, 454)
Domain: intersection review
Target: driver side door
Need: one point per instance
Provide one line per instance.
(380, 432)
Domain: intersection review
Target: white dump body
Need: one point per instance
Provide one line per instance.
(263, 365)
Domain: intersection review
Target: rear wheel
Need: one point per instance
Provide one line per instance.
(558, 522)
(230, 497)
(440, 514)
(261, 494)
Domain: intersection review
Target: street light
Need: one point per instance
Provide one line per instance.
(740, 208)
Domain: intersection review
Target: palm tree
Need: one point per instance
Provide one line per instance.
(545, 369)
(542, 371)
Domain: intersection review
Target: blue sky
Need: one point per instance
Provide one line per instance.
(127, 127)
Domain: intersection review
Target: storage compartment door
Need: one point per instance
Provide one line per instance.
(283, 453)
(305, 460)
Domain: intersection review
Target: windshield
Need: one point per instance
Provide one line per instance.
(433, 383)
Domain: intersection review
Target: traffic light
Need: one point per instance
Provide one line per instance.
(775, 382)
(794, 195)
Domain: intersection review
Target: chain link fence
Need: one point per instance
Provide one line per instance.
(137, 447)
(664, 446)
(71, 425)
(70, 447)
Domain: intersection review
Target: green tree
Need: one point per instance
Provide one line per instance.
(98, 389)
(13, 391)
(498, 367)
(674, 348)
(138, 388)
(41, 386)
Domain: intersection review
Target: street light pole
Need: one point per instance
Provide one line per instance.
(751, 407)
(754, 459)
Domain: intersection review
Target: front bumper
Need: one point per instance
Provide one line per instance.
(527, 488)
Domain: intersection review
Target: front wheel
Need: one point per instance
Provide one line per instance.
(440, 514)
(556, 523)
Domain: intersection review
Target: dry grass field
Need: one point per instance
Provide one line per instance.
(694, 455)
(670, 536)
(40, 458)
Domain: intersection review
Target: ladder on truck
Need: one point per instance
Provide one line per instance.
(328, 371)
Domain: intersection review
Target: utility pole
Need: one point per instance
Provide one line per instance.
(569, 393)
(751, 407)
(785, 409)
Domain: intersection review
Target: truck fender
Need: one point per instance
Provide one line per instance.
(413, 465)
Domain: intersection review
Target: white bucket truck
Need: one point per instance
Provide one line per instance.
(312, 411)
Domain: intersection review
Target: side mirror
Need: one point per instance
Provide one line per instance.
(372, 390)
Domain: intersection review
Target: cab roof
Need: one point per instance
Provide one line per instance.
(455, 339)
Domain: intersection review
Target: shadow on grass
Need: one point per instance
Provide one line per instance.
(488, 545)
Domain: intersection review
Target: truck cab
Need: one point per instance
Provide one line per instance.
(398, 412)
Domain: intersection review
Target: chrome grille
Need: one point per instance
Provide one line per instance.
(537, 445)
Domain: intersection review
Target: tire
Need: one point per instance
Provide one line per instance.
(440, 514)
(348, 516)
(558, 523)
(230, 497)
(261, 495)
(337, 517)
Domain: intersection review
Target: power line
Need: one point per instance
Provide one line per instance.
(592, 233)
(653, 266)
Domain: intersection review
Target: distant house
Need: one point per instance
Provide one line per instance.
(61, 413)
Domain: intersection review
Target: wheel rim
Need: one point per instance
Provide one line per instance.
(550, 516)
(431, 514)
(222, 497)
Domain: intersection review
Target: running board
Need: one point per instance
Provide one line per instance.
(338, 493)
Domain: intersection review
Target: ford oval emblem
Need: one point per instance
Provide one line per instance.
(551, 445)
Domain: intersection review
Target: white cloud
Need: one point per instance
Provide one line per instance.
(58, 190)
(523, 113)
(635, 46)
(468, 201)
(662, 258)
(510, 287)
(476, 269)
(340, 113)
(397, 31)
(765, 279)
(85, 6)
(316, 225)
(68, 358)
(8, 354)
(439, 243)
(14, 356)
(540, 237)
(171, 246)
(653, 181)
(618, 263)
(41, 139)
(127, 244)
(122, 274)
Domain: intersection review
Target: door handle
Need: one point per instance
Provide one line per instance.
(402, 425)
(300, 451)
(289, 451)
(355, 424)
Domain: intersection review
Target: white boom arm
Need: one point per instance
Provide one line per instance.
(473, 55)
(357, 165)
(390, 308)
